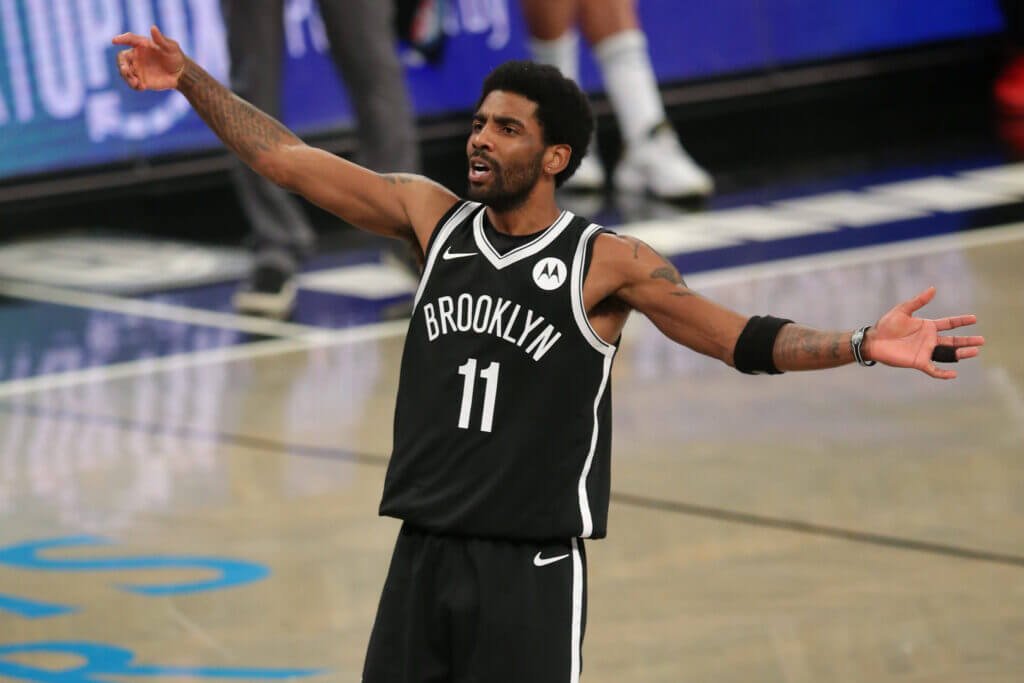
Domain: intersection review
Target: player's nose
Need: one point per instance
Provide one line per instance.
(481, 139)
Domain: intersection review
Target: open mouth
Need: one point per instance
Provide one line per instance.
(479, 170)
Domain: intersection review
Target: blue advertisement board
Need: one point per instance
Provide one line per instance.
(63, 106)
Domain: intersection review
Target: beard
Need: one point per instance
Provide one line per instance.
(510, 186)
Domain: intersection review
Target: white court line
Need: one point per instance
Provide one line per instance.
(943, 193)
(154, 309)
(689, 233)
(1010, 177)
(875, 253)
(848, 208)
(675, 236)
(374, 281)
(229, 354)
(376, 331)
(759, 223)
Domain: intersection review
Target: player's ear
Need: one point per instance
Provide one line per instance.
(556, 158)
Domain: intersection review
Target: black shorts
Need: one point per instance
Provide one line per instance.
(462, 610)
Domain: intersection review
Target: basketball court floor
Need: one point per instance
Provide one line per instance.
(187, 494)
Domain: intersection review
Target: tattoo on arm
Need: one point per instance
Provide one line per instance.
(672, 275)
(795, 346)
(242, 127)
(667, 272)
(399, 178)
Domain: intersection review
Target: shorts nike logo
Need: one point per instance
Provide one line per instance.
(539, 561)
(448, 255)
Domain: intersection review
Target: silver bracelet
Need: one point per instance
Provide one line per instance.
(856, 341)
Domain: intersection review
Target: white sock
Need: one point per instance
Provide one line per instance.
(630, 82)
(562, 53)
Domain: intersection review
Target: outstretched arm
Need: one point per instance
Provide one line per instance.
(374, 202)
(628, 269)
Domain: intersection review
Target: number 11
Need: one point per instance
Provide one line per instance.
(468, 370)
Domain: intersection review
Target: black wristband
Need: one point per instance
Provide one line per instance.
(754, 348)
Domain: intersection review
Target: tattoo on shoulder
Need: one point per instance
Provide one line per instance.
(668, 273)
(636, 245)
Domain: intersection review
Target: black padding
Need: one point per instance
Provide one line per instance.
(753, 352)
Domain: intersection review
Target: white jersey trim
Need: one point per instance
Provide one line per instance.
(443, 233)
(579, 312)
(527, 250)
(577, 611)
(588, 520)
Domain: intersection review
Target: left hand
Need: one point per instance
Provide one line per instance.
(150, 63)
(901, 340)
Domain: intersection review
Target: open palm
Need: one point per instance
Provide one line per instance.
(904, 341)
(150, 64)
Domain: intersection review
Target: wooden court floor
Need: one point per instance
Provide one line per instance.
(862, 524)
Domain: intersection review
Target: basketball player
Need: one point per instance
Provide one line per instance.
(502, 427)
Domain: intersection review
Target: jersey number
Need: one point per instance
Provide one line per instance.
(468, 371)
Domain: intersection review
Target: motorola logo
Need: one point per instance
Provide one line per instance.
(549, 273)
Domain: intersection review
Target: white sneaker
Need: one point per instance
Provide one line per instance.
(661, 166)
(589, 177)
(268, 292)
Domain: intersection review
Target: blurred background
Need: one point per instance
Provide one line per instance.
(196, 487)
(761, 92)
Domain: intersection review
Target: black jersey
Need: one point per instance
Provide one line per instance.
(503, 416)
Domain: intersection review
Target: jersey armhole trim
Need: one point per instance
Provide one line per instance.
(438, 239)
(441, 223)
(579, 270)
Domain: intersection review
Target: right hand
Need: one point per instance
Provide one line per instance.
(155, 64)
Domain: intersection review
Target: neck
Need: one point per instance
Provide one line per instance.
(535, 214)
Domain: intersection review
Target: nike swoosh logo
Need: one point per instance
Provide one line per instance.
(539, 561)
(448, 255)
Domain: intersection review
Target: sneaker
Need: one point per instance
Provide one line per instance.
(659, 165)
(589, 177)
(1008, 89)
(268, 292)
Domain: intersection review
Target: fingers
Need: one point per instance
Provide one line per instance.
(951, 350)
(933, 371)
(974, 340)
(943, 324)
(132, 40)
(970, 352)
(161, 40)
(918, 301)
(127, 69)
(158, 38)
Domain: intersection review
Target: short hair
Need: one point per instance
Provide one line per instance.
(563, 110)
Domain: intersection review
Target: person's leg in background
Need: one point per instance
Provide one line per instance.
(554, 40)
(280, 232)
(653, 161)
(363, 44)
